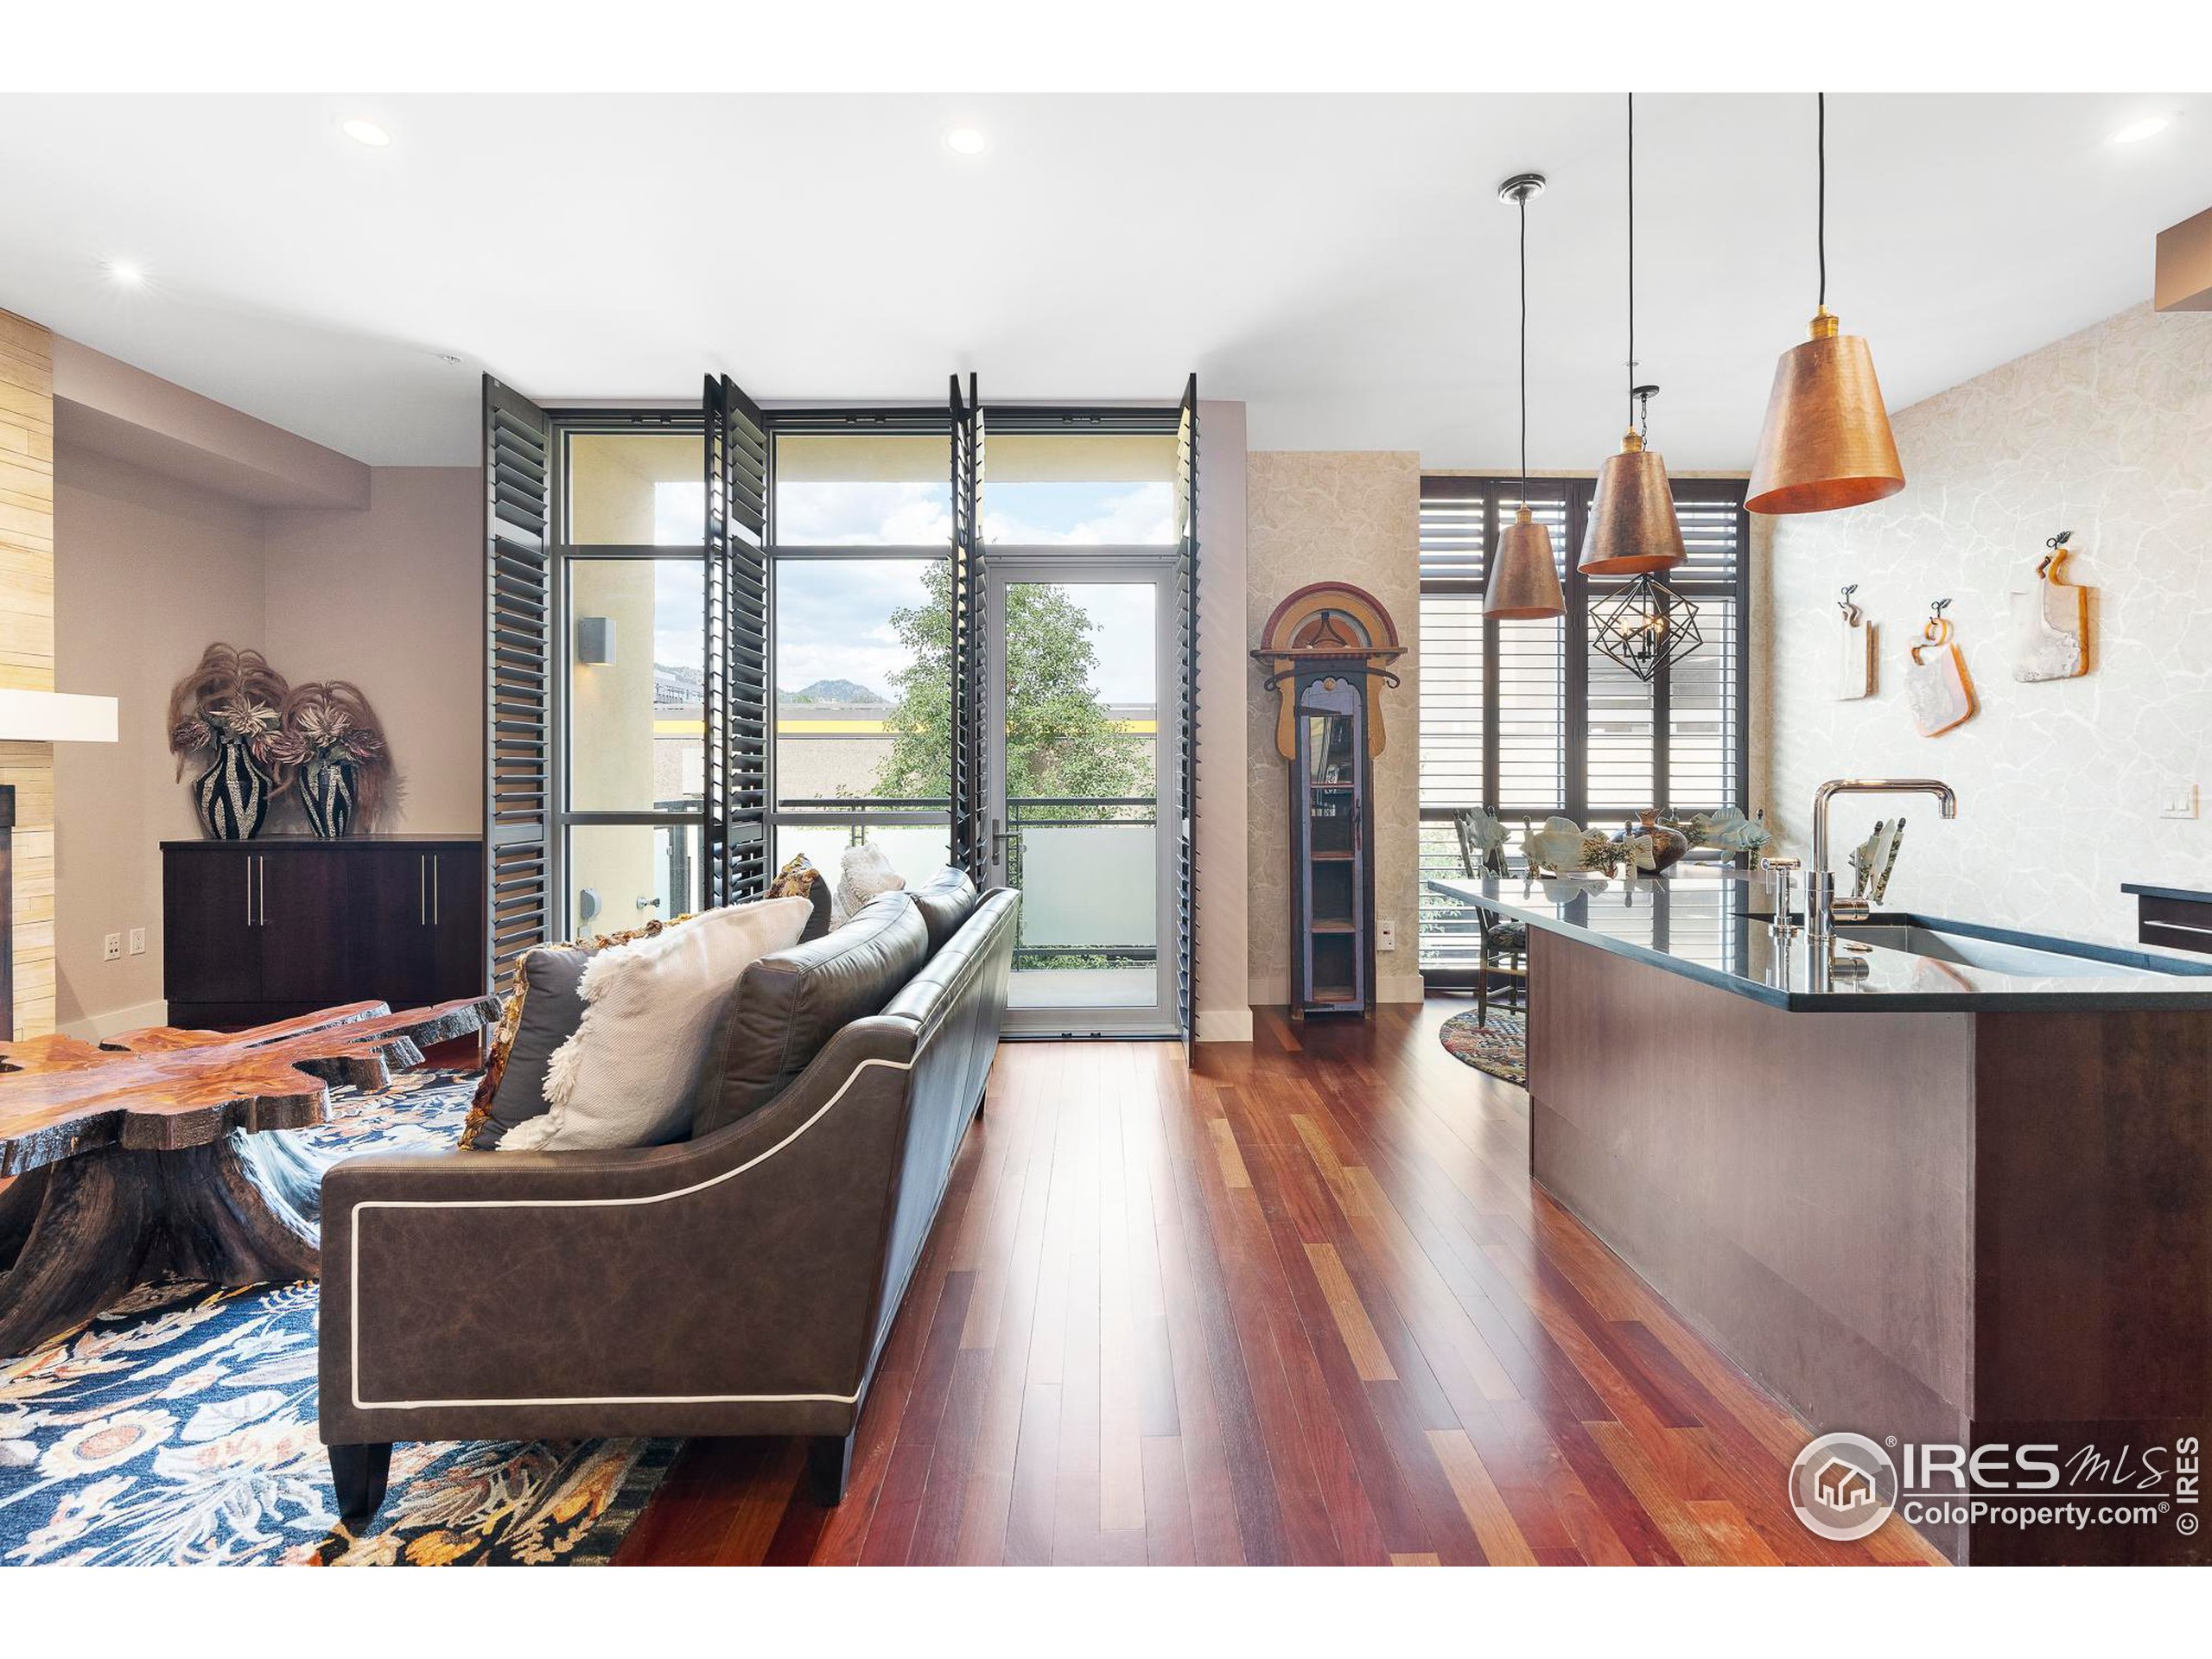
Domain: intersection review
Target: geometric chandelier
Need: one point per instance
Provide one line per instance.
(1644, 627)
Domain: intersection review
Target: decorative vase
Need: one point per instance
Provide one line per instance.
(1668, 844)
(232, 794)
(327, 795)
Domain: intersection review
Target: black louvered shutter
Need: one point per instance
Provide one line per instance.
(971, 757)
(517, 677)
(737, 704)
(1186, 596)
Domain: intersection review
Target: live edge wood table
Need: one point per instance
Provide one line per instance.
(148, 1157)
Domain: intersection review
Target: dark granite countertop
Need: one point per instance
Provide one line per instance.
(1711, 925)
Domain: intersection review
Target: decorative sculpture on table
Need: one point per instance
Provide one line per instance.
(2051, 623)
(1725, 830)
(1936, 687)
(1482, 841)
(230, 709)
(332, 748)
(1325, 653)
(1855, 654)
(1564, 848)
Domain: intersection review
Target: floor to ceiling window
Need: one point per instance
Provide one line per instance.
(860, 520)
(629, 597)
(1528, 718)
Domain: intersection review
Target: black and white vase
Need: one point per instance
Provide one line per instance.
(327, 795)
(233, 795)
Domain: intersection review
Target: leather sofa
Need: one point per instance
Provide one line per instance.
(741, 1282)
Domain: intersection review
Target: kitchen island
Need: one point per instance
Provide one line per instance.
(1959, 1192)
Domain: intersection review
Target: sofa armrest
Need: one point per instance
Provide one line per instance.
(645, 1290)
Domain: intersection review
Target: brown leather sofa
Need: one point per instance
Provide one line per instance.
(740, 1282)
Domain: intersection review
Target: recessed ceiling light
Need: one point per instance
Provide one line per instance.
(125, 274)
(2136, 132)
(366, 133)
(966, 141)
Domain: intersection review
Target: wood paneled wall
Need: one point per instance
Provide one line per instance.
(26, 645)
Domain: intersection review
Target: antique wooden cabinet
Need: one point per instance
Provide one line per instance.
(255, 930)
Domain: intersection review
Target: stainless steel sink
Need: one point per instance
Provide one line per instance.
(1995, 956)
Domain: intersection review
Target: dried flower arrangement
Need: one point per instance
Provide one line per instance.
(332, 748)
(229, 709)
(233, 696)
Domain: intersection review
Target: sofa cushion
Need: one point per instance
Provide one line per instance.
(946, 900)
(627, 1077)
(791, 1002)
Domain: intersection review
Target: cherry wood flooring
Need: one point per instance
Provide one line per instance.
(1300, 1305)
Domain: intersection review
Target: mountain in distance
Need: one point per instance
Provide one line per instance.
(831, 691)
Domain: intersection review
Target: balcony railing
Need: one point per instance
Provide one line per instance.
(1107, 837)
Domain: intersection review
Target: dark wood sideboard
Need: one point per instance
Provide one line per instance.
(264, 930)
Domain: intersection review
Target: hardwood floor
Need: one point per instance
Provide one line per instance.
(1300, 1305)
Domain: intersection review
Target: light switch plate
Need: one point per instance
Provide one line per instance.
(137, 942)
(2180, 802)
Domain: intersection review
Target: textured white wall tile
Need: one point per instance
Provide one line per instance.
(2106, 433)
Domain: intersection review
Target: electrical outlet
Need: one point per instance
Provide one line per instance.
(2179, 802)
(1386, 935)
(112, 948)
(137, 941)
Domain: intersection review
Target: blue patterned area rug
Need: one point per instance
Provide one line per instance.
(179, 1428)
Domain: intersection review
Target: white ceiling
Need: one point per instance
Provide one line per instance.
(1340, 264)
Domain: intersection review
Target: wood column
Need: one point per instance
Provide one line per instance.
(27, 648)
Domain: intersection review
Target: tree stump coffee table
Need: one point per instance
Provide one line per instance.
(144, 1158)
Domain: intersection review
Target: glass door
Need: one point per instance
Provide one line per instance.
(1085, 803)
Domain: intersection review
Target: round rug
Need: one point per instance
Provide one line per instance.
(1500, 1048)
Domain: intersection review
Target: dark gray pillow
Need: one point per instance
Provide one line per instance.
(946, 900)
(552, 1007)
(790, 1003)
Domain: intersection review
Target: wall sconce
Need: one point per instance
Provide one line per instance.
(595, 641)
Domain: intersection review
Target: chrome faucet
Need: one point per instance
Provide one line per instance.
(1820, 902)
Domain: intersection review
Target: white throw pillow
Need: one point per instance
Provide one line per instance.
(627, 1076)
(866, 873)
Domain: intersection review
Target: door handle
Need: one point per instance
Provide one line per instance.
(422, 891)
(261, 884)
(434, 889)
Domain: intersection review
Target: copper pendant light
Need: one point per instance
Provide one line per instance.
(1632, 527)
(1826, 441)
(1523, 576)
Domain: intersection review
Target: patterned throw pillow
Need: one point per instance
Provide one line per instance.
(800, 880)
(512, 1087)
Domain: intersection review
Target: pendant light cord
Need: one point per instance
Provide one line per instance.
(1821, 146)
(1632, 259)
(1524, 349)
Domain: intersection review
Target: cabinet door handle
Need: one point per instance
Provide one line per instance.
(422, 891)
(261, 882)
(249, 889)
(434, 889)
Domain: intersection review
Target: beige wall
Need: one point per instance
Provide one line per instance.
(1351, 517)
(392, 598)
(150, 570)
(27, 651)
(2107, 432)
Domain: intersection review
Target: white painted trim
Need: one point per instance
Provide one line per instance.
(99, 1028)
(354, 1289)
(1224, 1025)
